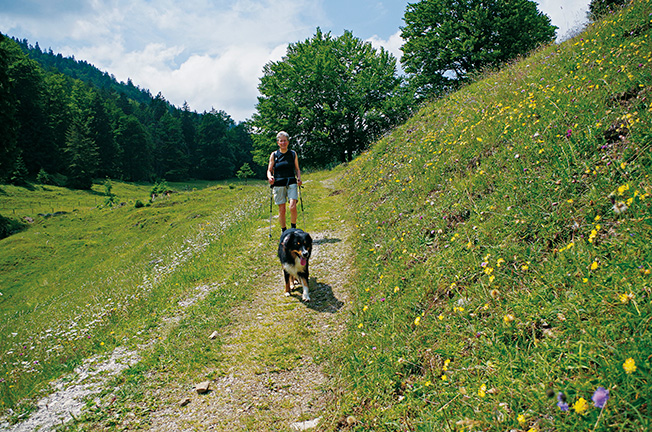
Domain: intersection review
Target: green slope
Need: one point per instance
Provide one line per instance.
(504, 248)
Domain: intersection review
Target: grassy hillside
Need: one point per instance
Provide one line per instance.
(504, 249)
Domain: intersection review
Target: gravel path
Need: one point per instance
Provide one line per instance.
(273, 377)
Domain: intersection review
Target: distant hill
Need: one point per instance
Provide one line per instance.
(84, 71)
(65, 122)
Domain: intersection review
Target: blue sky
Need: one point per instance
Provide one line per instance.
(210, 53)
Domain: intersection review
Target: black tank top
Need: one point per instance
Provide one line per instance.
(284, 168)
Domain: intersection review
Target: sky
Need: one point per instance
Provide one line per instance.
(211, 53)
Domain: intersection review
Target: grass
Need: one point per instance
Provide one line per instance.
(504, 248)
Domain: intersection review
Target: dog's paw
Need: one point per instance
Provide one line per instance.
(306, 298)
(286, 294)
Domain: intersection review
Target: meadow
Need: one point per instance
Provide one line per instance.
(504, 248)
(94, 277)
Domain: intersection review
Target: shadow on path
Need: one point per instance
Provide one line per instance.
(322, 298)
(326, 241)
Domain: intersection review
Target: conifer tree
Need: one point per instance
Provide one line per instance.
(8, 152)
(81, 154)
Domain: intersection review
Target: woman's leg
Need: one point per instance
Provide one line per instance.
(293, 212)
(281, 215)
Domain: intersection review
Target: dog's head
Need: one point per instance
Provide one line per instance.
(298, 243)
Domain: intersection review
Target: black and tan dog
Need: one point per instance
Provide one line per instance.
(294, 251)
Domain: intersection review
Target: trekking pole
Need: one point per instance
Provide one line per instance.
(303, 216)
(271, 198)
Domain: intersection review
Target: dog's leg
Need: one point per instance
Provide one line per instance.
(304, 284)
(286, 275)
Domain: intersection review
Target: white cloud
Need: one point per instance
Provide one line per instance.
(208, 54)
(206, 82)
(393, 45)
(567, 15)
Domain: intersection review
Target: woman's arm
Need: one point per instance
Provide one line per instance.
(296, 168)
(270, 169)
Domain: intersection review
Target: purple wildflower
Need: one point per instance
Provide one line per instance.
(600, 397)
(561, 401)
(569, 133)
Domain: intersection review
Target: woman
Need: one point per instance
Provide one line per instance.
(284, 175)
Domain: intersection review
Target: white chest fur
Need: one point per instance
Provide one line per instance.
(296, 268)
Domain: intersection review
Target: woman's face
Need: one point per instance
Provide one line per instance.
(282, 142)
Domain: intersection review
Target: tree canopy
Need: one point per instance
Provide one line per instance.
(447, 40)
(333, 95)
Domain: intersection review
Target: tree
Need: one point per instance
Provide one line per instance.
(599, 8)
(189, 130)
(59, 114)
(214, 151)
(244, 172)
(8, 129)
(447, 40)
(34, 139)
(81, 153)
(172, 160)
(101, 129)
(135, 148)
(333, 96)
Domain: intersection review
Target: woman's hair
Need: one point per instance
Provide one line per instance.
(282, 133)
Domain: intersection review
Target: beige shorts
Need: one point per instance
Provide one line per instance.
(283, 193)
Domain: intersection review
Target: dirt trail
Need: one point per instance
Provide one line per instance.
(272, 377)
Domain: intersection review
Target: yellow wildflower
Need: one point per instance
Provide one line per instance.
(629, 365)
(580, 406)
(521, 420)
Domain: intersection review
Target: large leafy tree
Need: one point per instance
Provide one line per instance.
(333, 95)
(447, 40)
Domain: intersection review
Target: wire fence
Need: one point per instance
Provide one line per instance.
(45, 208)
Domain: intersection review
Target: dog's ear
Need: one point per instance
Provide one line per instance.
(286, 240)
